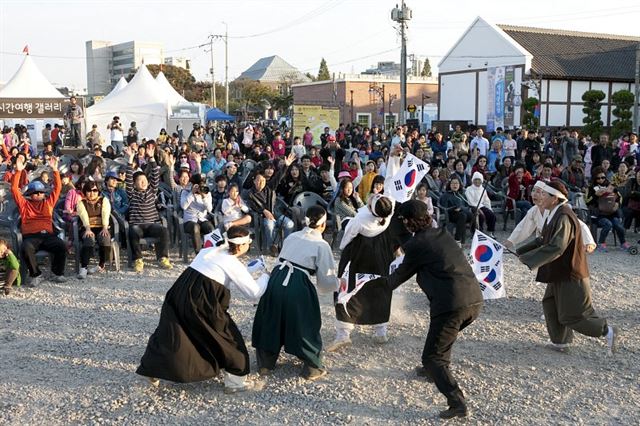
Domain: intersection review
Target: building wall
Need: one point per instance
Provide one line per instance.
(562, 104)
(98, 75)
(365, 103)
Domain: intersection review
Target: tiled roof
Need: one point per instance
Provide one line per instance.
(577, 55)
(273, 69)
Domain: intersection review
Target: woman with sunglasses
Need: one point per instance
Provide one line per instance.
(94, 212)
(604, 200)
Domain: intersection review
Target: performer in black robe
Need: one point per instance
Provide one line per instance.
(196, 336)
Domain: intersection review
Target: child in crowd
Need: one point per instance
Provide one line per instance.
(11, 266)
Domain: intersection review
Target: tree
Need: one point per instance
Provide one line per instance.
(180, 78)
(246, 93)
(592, 120)
(623, 102)
(529, 119)
(323, 72)
(310, 76)
(426, 69)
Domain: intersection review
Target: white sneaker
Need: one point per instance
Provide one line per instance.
(35, 281)
(381, 339)
(95, 270)
(612, 338)
(82, 274)
(338, 344)
(248, 385)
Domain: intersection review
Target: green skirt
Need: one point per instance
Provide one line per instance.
(289, 315)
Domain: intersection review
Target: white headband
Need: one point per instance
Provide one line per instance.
(240, 240)
(374, 200)
(320, 221)
(539, 184)
(550, 190)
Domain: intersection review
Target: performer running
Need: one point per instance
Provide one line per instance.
(445, 276)
(289, 313)
(562, 264)
(196, 336)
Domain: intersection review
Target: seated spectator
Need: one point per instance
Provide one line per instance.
(310, 178)
(422, 194)
(348, 201)
(460, 172)
(620, 179)
(214, 165)
(11, 267)
(316, 159)
(298, 149)
(433, 181)
(235, 211)
(262, 201)
(574, 174)
(494, 158)
(219, 193)
(477, 196)
(504, 171)
(117, 197)
(604, 201)
(94, 212)
(370, 172)
(481, 166)
(631, 201)
(95, 170)
(144, 218)
(457, 209)
(292, 184)
(71, 201)
(196, 203)
(519, 182)
(77, 170)
(231, 173)
(329, 183)
(36, 219)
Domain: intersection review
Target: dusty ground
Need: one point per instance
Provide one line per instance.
(69, 353)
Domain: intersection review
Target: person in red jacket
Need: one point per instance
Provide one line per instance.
(519, 180)
(36, 220)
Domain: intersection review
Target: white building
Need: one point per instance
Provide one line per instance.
(107, 62)
(489, 71)
(183, 63)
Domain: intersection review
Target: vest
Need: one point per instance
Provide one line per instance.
(95, 213)
(572, 263)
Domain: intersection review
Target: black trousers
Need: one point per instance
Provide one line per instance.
(436, 356)
(32, 243)
(149, 230)
(487, 216)
(268, 360)
(460, 219)
(197, 230)
(88, 245)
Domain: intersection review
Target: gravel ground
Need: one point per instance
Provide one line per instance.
(70, 351)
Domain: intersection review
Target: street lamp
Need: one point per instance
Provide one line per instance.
(351, 103)
(378, 90)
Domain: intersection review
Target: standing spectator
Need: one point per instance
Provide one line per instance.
(278, 144)
(307, 138)
(574, 174)
(46, 134)
(74, 115)
(36, 217)
(510, 146)
(480, 143)
(117, 135)
(144, 219)
(94, 212)
(94, 137)
(569, 143)
(298, 149)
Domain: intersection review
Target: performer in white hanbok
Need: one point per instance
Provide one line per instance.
(196, 336)
(289, 312)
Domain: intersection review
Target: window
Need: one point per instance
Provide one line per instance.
(390, 120)
(364, 119)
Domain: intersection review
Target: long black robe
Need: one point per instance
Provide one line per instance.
(196, 336)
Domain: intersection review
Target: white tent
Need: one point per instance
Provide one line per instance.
(173, 97)
(29, 82)
(141, 101)
(121, 84)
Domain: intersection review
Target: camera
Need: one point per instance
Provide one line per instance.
(204, 190)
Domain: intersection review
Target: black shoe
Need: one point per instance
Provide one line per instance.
(264, 371)
(460, 411)
(311, 373)
(423, 372)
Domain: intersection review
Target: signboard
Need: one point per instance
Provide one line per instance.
(316, 118)
(412, 108)
(495, 97)
(34, 107)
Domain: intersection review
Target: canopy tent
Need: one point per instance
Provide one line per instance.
(173, 97)
(121, 84)
(29, 82)
(141, 101)
(214, 114)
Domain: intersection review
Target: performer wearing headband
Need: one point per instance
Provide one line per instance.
(368, 247)
(196, 337)
(289, 312)
(562, 264)
(532, 223)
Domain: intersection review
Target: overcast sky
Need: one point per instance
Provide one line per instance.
(351, 34)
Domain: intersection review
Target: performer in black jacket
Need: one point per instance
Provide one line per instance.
(445, 276)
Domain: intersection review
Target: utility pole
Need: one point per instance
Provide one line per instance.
(636, 99)
(213, 80)
(226, 68)
(402, 15)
